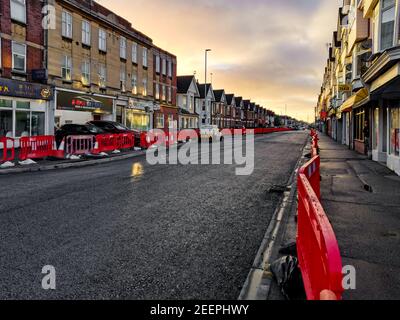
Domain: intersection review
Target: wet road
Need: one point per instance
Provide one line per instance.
(128, 230)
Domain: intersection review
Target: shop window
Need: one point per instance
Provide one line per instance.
(18, 10)
(23, 105)
(37, 123)
(6, 117)
(395, 131)
(137, 121)
(66, 25)
(66, 69)
(18, 57)
(359, 125)
(22, 124)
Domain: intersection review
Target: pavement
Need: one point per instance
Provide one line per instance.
(361, 199)
(130, 230)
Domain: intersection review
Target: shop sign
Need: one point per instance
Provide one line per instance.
(21, 89)
(39, 75)
(84, 102)
(324, 115)
(344, 87)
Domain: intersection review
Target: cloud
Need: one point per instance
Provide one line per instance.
(268, 50)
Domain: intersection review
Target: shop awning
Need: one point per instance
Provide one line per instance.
(354, 100)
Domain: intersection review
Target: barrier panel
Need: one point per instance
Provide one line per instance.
(318, 250)
(8, 146)
(105, 143)
(36, 147)
(79, 145)
(311, 170)
(125, 141)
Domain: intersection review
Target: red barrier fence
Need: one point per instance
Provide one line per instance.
(8, 147)
(36, 147)
(125, 141)
(105, 143)
(79, 145)
(317, 246)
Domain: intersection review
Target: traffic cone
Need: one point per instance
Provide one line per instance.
(60, 152)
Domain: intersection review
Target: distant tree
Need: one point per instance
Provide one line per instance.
(278, 121)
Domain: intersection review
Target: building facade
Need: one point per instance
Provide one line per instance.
(101, 68)
(24, 96)
(187, 95)
(204, 103)
(166, 112)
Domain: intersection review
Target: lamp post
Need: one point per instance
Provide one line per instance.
(205, 84)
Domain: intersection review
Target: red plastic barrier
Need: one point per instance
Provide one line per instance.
(105, 143)
(312, 172)
(78, 145)
(317, 246)
(5, 142)
(36, 147)
(125, 141)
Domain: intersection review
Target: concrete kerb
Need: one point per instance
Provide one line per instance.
(77, 164)
(259, 280)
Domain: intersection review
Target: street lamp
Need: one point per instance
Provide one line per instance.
(205, 84)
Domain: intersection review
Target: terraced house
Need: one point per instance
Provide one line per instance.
(100, 66)
(361, 83)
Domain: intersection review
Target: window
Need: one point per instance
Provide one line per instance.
(86, 73)
(102, 75)
(170, 69)
(86, 32)
(171, 121)
(18, 10)
(164, 66)
(158, 64)
(66, 69)
(160, 120)
(122, 48)
(144, 84)
(169, 94)
(157, 89)
(359, 125)
(18, 57)
(164, 93)
(134, 52)
(134, 83)
(145, 57)
(123, 77)
(102, 40)
(387, 23)
(395, 131)
(66, 25)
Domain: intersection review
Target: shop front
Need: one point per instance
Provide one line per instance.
(138, 115)
(74, 107)
(25, 109)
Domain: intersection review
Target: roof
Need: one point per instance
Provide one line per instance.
(229, 98)
(201, 89)
(218, 95)
(183, 83)
(238, 101)
(246, 103)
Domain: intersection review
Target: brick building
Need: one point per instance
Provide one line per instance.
(24, 98)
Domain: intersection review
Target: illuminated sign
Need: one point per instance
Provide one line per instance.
(84, 102)
(21, 89)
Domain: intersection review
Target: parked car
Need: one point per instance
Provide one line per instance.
(76, 130)
(210, 133)
(116, 127)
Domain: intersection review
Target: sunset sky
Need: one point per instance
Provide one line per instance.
(270, 51)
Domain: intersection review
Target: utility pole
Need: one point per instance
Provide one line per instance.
(205, 83)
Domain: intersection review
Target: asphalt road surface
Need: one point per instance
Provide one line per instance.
(129, 230)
